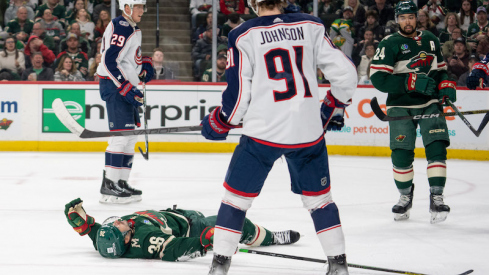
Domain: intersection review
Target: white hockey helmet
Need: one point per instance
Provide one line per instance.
(253, 4)
(131, 3)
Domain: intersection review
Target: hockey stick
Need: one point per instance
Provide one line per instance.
(382, 116)
(145, 155)
(477, 132)
(325, 261)
(65, 117)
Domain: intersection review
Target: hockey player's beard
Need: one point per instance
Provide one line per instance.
(403, 32)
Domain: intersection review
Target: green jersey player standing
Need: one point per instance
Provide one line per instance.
(409, 66)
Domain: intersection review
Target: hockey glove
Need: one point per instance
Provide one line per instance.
(420, 83)
(207, 238)
(147, 70)
(332, 112)
(214, 127)
(78, 218)
(447, 89)
(131, 94)
(478, 76)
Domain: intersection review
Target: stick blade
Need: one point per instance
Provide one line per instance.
(374, 104)
(65, 117)
(484, 122)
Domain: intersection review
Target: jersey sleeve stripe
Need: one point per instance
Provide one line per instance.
(387, 69)
(240, 86)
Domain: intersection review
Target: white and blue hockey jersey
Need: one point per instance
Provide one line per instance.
(121, 52)
(272, 78)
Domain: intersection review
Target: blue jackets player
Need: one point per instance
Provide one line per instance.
(121, 69)
(273, 89)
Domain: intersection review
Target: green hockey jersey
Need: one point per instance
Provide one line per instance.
(397, 56)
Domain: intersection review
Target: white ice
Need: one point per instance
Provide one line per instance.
(37, 239)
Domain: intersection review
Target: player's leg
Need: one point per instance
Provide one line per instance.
(127, 167)
(402, 143)
(309, 172)
(257, 235)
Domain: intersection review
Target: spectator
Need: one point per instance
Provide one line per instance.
(425, 24)
(66, 70)
(362, 69)
(58, 11)
(38, 30)
(478, 30)
(95, 50)
(230, 6)
(482, 47)
(234, 20)
(358, 12)
(70, 15)
(459, 62)
(325, 8)
(199, 7)
(38, 72)
(92, 71)
(436, 12)
(74, 5)
(373, 24)
(104, 6)
(35, 44)
(466, 15)
(161, 70)
(359, 50)
(52, 27)
(86, 25)
(462, 80)
(11, 58)
(292, 7)
(83, 44)
(385, 11)
(73, 50)
(199, 31)
(102, 23)
(201, 52)
(21, 26)
(342, 32)
(451, 22)
(220, 70)
(447, 48)
(11, 12)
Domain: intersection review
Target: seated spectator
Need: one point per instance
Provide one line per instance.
(83, 44)
(199, 32)
(372, 24)
(38, 30)
(70, 14)
(342, 33)
(51, 26)
(4, 35)
(86, 25)
(462, 80)
(37, 72)
(482, 48)
(466, 15)
(233, 21)
(21, 26)
(201, 52)
(73, 50)
(359, 12)
(11, 11)
(199, 7)
(451, 23)
(58, 11)
(436, 12)
(75, 5)
(12, 59)
(292, 7)
(102, 23)
(459, 62)
(92, 71)
(366, 59)
(66, 70)
(35, 44)
(360, 47)
(237, 6)
(447, 48)
(220, 70)
(478, 30)
(384, 10)
(161, 70)
(425, 24)
(104, 6)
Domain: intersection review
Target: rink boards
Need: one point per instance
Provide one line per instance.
(27, 122)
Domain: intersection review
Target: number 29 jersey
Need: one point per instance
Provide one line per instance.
(272, 78)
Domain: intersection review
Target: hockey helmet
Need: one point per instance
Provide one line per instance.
(253, 4)
(405, 7)
(131, 3)
(110, 240)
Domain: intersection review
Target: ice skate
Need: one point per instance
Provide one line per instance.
(112, 193)
(135, 193)
(286, 237)
(438, 209)
(337, 265)
(220, 265)
(402, 208)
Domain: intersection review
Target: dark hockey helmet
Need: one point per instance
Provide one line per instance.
(110, 240)
(405, 7)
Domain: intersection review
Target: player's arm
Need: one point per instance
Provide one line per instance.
(382, 70)
(479, 75)
(82, 223)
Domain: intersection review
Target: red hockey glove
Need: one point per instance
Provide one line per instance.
(447, 89)
(131, 94)
(213, 127)
(478, 76)
(420, 83)
(147, 70)
(207, 238)
(78, 218)
(332, 112)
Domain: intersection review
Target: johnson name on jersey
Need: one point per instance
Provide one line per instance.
(121, 52)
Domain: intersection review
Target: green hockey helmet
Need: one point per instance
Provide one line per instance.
(110, 240)
(405, 7)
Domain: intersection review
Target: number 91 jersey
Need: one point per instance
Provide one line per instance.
(272, 78)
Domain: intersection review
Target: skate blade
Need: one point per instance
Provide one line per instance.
(115, 200)
(401, 217)
(137, 198)
(437, 217)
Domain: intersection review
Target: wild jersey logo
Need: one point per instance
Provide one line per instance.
(421, 63)
(138, 56)
(5, 123)
(400, 138)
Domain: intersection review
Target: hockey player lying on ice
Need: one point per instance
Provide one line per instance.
(169, 235)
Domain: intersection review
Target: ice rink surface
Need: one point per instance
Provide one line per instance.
(37, 239)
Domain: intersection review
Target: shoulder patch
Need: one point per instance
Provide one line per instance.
(123, 23)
